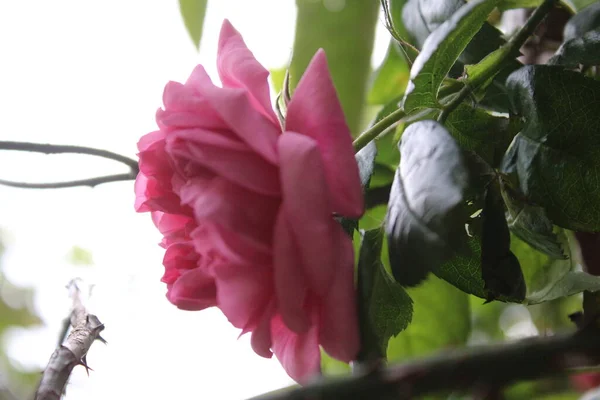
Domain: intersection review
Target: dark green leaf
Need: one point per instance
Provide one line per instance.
(425, 207)
(440, 50)
(384, 307)
(580, 50)
(193, 12)
(556, 158)
(477, 130)
(508, 4)
(390, 79)
(500, 268)
(584, 21)
(347, 37)
(531, 224)
(441, 321)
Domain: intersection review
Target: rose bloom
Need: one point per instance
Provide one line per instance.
(246, 207)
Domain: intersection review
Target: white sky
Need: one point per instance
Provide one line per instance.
(92, 73)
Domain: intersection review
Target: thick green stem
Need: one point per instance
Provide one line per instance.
(506, 53)
(377, 129)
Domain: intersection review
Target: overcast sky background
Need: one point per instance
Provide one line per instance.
(92, 73)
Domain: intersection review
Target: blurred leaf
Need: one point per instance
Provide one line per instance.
(555, 157)
(425, 208)
(390, 79)
(384, 307)
(365, 159)
(441, 320)
(580, 50)
(80, 256)
(347, 36)
(585, 20)
(193, 12)
(441, 49)
(277, 78)
(500, 268)
(508, 4)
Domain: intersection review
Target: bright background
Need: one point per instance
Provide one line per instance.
(92, 73)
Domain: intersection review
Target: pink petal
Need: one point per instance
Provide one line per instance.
(239, 69)
(232, 159)
(239, 210)
(172, 224)
(315, 111)
(308, 209)
(234, 106)
(186, 107)
(299, 354)
(290, 285)
(243, 292)
(178, 258)
(262, 340)
(194, 290)
(338, 331)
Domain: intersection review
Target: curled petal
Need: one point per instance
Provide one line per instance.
(307, 208)
(194, 290)
(290, 284)
(211, 239)
(243, 292)
(262, 340)
(247, 213)
(315, 111)
(231, 159)
(239, 69)
(178, 258)
(299, 354)
(154, 195)
(338, 332)
(186, 107)
(234, 106)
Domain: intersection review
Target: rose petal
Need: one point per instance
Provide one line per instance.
(262, 340)
(315, 111)
(299, 354)
(234, 106)
(290, 286)
(194, 290)
(239, 210)
(239, 69)
(186, 107)
(338, 333)
(308, 208)
(212, 239)
(243, 292)
(233, 160)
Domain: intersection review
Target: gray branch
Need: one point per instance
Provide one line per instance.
(86, 329)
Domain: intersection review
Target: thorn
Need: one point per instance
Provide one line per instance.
(101, 339)
(84, 363)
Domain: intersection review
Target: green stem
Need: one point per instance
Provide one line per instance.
(374, 131)
(506, 53)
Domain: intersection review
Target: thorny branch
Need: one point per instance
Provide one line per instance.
(472, 369)
(86, 329)
(68, 149)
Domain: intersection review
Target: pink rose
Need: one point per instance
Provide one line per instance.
(246, 207)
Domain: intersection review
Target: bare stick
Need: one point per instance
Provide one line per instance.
(67, 149)
(479, 368)
(72, 352)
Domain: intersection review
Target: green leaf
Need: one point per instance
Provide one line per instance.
(580, 50)
(80, 256)
(500, 268)
(385, 309)
(555, 157)
(531, 224)
(477, 130)
(425, 208)
(440, 50)
(441, 320)
(347, 36)
(585, 20)
(390, 79)
(193, 12)
(365, 159)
